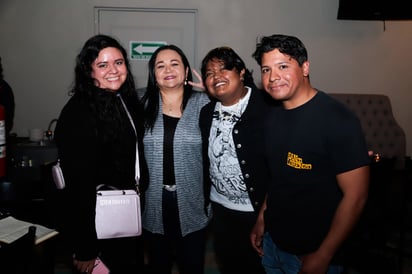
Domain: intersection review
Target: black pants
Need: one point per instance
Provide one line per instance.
(163, 250)
(122, 255)
(233, 250)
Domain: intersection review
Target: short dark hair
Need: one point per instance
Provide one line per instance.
(286, 44)
(230, 60)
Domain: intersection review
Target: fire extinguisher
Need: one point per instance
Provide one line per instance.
(2, 142)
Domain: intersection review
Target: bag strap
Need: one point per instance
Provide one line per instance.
(137, 167)
(106, 186)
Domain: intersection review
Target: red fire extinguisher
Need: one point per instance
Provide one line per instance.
(2, 142)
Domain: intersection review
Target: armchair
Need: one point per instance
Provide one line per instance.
(382, 132)
(385, 213)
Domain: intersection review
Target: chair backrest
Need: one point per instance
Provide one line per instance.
(383, 134)
(16, 257)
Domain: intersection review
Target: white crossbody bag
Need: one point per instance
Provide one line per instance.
(118, 211)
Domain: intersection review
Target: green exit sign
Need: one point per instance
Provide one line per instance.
(143, 50)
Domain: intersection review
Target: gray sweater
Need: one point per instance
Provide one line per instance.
(187, 149)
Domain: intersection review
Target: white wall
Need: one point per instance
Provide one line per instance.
(40, 39)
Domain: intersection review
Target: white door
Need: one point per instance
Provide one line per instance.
(141, 31)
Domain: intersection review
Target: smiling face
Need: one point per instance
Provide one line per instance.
(109, 69)
(169, 69)
(284, 79)
(224, 84)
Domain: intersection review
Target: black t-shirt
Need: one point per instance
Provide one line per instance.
(170, 124)
(307, 147)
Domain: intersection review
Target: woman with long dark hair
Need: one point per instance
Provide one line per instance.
(96, 143)
(174, 217)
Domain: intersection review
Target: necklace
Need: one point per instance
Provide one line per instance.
(169, 108)
(172, 107)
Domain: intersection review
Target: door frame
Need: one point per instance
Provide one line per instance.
(99, 9)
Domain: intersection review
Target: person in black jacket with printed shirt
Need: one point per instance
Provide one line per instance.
(236, 175)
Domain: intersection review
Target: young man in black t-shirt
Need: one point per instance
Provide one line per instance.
(319, 167)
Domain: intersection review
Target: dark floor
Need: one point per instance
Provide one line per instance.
(366, 256)
(364, 262)
(62, 265)
(382, 242)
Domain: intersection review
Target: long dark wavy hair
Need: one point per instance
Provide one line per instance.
(104, 104)
(150, 99)
(230, 60)
(84, 83)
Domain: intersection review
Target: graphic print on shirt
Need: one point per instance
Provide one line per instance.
(225, 171)
(296, 162)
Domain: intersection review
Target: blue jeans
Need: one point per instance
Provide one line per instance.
(276, 261)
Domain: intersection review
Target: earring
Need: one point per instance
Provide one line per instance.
(186, 82)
